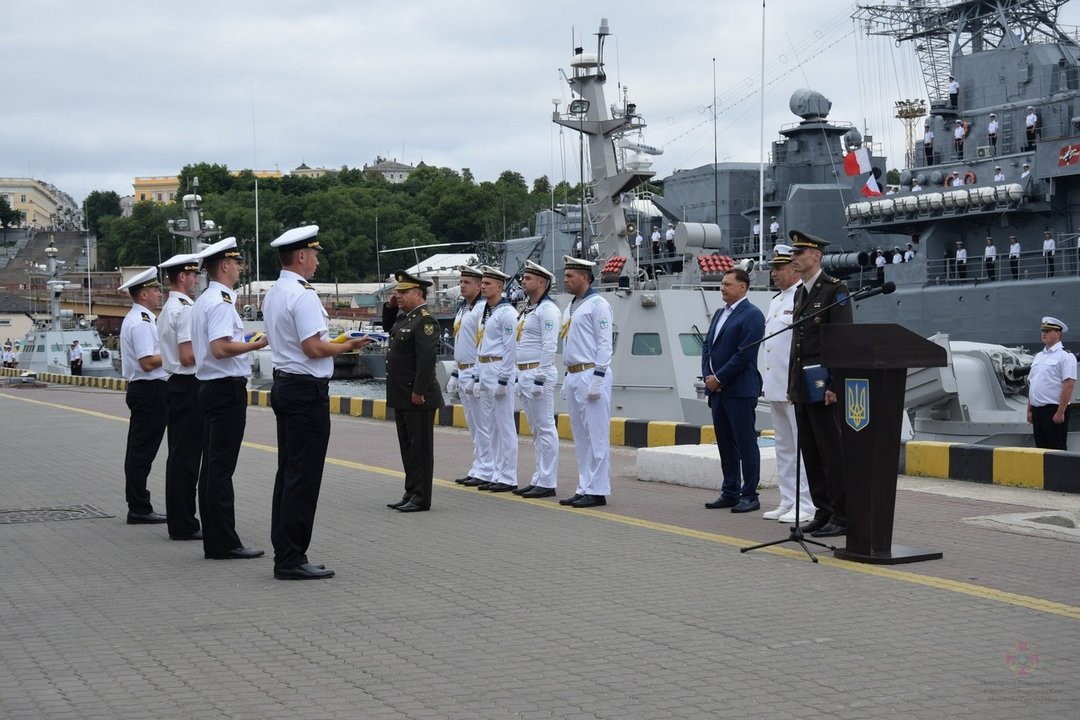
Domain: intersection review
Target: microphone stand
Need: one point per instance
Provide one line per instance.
(796, 534)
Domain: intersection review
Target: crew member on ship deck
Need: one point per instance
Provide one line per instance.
(1052, 381)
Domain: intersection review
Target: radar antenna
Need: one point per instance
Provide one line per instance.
(942, 29)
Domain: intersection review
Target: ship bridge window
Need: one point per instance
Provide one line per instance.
(646, 344)
(691, 344)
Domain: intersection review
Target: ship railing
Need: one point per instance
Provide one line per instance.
(1031, 265)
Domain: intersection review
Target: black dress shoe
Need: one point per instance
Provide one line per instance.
(399, 503)
(240, 553)
(588, 501)
(722, 502)
(746, 505)
(523, 490)
(570, 500)
(501, 487)
(412, 507)
(307, 571)
(830, 530)
(814, 525)
(463, 480)
(486, 486)
(474, 482)
(539, 492)
(197, 535)
(150, 518)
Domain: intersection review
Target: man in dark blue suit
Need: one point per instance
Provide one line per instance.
(733, 385)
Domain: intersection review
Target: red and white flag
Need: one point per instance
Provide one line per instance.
(871, 188)
(857, 162)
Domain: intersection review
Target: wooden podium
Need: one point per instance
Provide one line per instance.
(869, 363)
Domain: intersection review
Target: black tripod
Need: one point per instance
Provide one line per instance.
(796, 533)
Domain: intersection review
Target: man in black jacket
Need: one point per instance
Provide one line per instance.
(411, 388)
(818, 422)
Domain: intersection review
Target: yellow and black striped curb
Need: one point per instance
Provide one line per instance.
(1017, 467)
(625, 432)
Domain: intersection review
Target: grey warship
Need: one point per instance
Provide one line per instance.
(1009, 59)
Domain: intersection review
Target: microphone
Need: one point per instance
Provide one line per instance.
(885, 289)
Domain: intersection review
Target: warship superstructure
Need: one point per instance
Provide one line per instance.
(1009, 60)
(47, 345)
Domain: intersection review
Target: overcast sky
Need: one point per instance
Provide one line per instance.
(98, 93)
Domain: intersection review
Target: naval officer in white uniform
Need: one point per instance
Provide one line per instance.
(773, 362)
(586, 329)
(147, 396)
(222, 367)
(537, 343)
(494, 386)
(303, 358)
(185, 417)
(462, 377)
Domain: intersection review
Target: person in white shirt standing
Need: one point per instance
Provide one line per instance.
(303, 356)
(462, 377)
(537, 343)
(497, 352)
(928, 142)
(990, 259)
(146, 397)
(185, 416)
(1048, 250)
(1031, 127)
(773, 362)
(222, 367)
(999, 176)
(586, 329)
(954, 92)
(991, 135)
(961, 261)
(75, 357)
(1014, 257)
(1052, 381)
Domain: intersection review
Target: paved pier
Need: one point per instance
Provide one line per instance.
(492, 606)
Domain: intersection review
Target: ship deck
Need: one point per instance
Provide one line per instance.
(492, 606)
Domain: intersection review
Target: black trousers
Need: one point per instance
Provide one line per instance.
(1049, 434)
(1014, 265)
(76, 367)
(1049, 266)
(991, 269)
(819, 442)
(301, 406)
(224, 406)
(148, 402)
(185, 451)
(416, 438)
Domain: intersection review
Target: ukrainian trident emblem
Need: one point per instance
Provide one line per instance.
(857, 403)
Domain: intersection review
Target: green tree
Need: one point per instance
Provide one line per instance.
(137, 240)
(101, 204)
(213, 179)
(9, 216)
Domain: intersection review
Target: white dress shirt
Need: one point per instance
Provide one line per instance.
(139, 339)
(174, 327)
(214, 317)
(293, 314)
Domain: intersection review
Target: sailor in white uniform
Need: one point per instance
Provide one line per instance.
(587, 326)
(222, 367)
(991, 133)
(773, 362)
(928, 143)
(774, 229)
(494, 387)
(1052, 381)
(1031, 127)
(537, 343)
(303, 358)
(185, 417)
(1049, 247)
(954, 91)
(462, 377)
(147, 398)
(999, 176)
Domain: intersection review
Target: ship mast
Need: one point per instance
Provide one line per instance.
(588, 114)
(942, 30)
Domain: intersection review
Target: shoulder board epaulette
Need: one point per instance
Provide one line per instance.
(145, 317)
(832, 280)
(225, 297)
(306, 285)
(184, 302)
(425, 313)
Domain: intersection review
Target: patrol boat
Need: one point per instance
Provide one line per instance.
(46, 346)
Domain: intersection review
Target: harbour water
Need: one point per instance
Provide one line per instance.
(359, 388)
